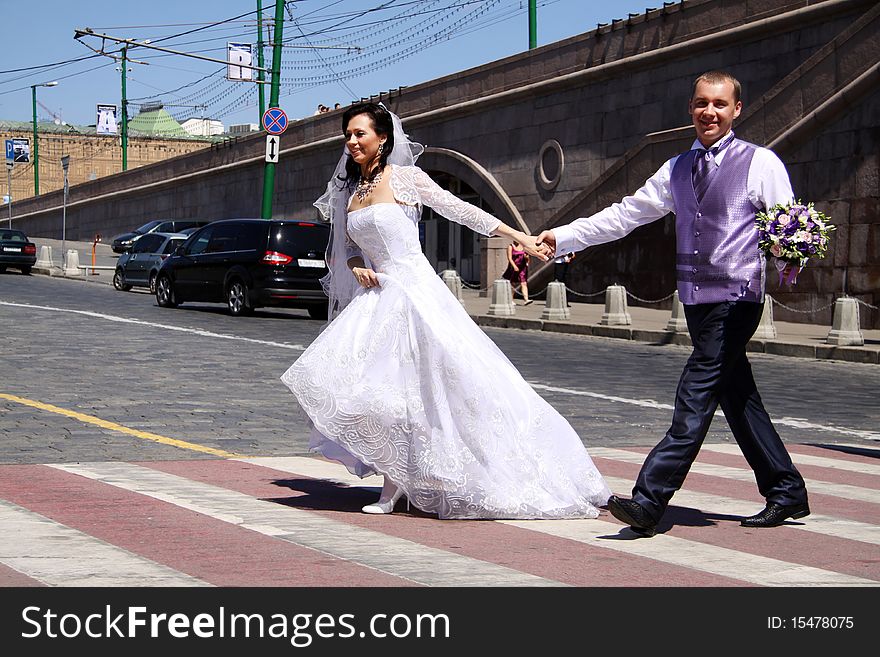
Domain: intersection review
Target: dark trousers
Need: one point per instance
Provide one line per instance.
(718, 372)
(560, 269)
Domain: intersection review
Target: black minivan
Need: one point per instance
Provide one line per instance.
(249, 263)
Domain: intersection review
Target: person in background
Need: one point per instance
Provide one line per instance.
(517, 271)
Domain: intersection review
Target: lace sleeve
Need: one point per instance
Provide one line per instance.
(411, 185)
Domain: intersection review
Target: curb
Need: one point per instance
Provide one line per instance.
(774, 348)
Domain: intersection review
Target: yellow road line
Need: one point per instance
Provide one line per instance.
(146, 435)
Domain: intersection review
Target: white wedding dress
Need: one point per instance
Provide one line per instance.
(404, 383)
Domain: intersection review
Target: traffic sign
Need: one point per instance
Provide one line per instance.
(274, 121)
(10, 150)
(273, 145)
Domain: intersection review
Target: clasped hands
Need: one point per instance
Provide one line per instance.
(543, 246)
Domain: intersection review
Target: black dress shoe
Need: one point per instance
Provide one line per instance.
(775, 514)
(633, 514)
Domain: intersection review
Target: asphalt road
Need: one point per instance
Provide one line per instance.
(198, 375)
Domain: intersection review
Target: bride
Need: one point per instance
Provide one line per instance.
(401, 381)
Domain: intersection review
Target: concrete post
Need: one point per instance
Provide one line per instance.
(45, 259)
(846, 327)
(493, 261)
(556, 306)
(616, 313)
(453, 282)
(71, 266)
(502, 298)
(677, 322)
(766, 328)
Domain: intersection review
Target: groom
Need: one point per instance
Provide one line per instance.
(715, 190)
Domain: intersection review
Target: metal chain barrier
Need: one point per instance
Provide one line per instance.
(474, 287)
(668, 296)
(801, 312)
(581, 294)
(868, 305)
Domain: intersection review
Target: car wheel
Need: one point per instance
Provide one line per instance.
(2, 269)
(152, 283)
(119, 281)
(165, 293)
(26, 270)
(318, 312)
(237, 299)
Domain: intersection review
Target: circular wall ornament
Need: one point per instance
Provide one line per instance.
(551, 164)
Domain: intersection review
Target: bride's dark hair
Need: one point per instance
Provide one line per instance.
(384, 127)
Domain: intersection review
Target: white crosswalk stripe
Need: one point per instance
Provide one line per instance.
(400, 557)
(845, 491)
(806, 459)
(58, 555)
(698, 556)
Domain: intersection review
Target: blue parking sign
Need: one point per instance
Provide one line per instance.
(10, 150)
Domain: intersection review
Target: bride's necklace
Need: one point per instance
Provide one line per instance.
(367, 185)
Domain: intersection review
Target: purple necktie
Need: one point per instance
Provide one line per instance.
(705, 164)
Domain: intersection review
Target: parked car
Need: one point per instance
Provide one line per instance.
(122, 243)
(249, 263)
(139, 265)
(16, 250)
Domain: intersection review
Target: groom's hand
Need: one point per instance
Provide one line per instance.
(548, 240)
(530, 247)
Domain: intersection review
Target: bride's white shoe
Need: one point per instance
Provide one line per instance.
(385, 503)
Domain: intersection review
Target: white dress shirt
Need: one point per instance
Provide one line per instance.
(768, 184)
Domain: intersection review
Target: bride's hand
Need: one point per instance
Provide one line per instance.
(529, 243)
(365, 277)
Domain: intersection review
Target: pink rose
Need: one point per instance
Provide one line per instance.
(775, 250)
(783, 219)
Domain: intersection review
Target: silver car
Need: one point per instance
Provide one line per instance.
(138, 267)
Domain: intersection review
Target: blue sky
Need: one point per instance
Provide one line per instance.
(402, 43)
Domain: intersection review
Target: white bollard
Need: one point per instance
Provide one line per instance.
(846, 328)
(616, 313)
(556, 306)
(71, 266)
(766, 328)
(502, 298)
(453, 282)
(677, 322)
(45, 259)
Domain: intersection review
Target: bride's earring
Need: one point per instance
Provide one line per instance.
(381, 148)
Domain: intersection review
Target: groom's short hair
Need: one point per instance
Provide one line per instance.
(716, 77)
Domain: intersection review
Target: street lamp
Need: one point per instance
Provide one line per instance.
(36, 147)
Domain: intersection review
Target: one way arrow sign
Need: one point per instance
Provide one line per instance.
(273, 145)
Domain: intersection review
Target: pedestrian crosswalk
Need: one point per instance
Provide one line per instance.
(295, 521)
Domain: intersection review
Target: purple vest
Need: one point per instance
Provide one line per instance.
(717, 254)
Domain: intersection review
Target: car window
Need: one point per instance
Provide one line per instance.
(183, 225)
(172, 244)
(200, 242)
(12, 236)
(147, 227)
(224, 238)
(165, 227)
(298, 238)
(147, 244)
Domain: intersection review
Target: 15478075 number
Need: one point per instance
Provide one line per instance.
(811, 622)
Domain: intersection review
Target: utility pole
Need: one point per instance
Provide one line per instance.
(36, 157)
(65, 164)
(9, 166)
(261, 77)
(124, 112)
(269, 175)
(533, 24)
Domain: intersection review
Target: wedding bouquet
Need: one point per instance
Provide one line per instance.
(793, 233)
